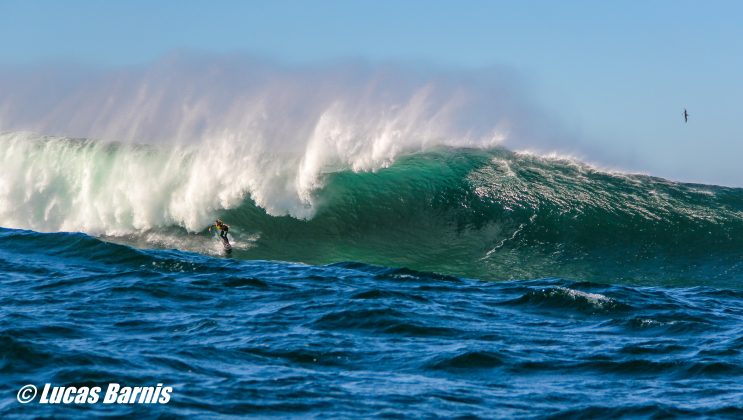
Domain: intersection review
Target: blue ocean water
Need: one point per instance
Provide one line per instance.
(451, 283)
(268, 338)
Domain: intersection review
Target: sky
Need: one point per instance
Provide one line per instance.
(615, 74)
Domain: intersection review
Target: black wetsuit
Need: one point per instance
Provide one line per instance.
(223, 229)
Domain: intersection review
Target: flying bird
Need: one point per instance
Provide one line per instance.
(686, 116)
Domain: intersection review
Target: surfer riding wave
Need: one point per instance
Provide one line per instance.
(222, 228)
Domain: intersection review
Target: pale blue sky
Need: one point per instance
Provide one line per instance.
(617, 74)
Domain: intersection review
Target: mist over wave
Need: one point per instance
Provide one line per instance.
(235, 126)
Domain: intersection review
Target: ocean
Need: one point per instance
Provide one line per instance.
(446, 282)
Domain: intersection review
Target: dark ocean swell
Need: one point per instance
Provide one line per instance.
(263, 338)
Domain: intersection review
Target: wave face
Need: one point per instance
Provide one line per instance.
(501, 215)
(490, 214)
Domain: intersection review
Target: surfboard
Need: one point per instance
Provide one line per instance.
(226, 244)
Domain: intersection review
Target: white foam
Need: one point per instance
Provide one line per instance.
(595, 299)
(219, 130)
(58, 184)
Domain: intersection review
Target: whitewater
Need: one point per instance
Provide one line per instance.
(405, 243)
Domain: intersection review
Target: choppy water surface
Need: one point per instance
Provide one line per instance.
(278, 339)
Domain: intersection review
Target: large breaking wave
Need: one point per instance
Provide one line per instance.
(486, 213)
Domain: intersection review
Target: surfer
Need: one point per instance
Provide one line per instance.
(686, 116)
(222, 228)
